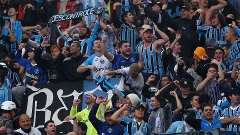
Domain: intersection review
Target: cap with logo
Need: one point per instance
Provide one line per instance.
(109, 111)
(185, 83)
(183, 7)
(139, 106)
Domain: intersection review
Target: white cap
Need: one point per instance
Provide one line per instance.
(134, 99)
(8, 105)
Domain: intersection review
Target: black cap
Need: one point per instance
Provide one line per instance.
(109, 111)
(234, 91)
(185, 83)
(138, 106)
(183, 7)
(31, 49)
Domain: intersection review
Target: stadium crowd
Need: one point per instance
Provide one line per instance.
(177, 60)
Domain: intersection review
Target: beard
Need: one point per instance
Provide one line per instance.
(83, 36)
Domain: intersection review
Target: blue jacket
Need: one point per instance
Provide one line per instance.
(5, 94)
(206, 126)
(103, 127)
(33, 71)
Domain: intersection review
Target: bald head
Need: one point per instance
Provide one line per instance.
(25, 121)
(233, 31)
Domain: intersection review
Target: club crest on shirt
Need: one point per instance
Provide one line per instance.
(132, 59)
(110, 130)
(36, 71)
(102, 61)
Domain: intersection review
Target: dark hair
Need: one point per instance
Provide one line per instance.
(219, 48)
(191, 61)
(46, 124)
(160, 99)
(220, 17)
(83, 126)
(122, 42)
(227, 46)
(88, 32)
(96, 39)
(231, 81)
(213, 66)
(114, 100)
(192, 95)
(2, 76)
(169, 78)
(204, 99)
(124, 14)
(204, 105)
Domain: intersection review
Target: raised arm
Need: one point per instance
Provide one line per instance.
(158, 43)
(103, 26)
(108, 55)
(222, 4)
(179, 104)
(178, 36)
(92, 115)
(187, 4)
(27, 28)
(220, 69)
(12, 36)
(202, 84)
(116, 116)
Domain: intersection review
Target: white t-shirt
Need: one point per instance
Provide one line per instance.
(34, 131)
(100, 62)
(128, 84)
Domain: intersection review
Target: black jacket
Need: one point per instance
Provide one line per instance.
(185, 101)
(56, 71)
(71, 64)
(189, 40)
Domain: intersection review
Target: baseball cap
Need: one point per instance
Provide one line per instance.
(31, 49)
(183, 7)
(138, 106)
(234, 91)
(134, 69)
(55, 47)
(200, 51)
(185, 83)
(134, 99)
(146, 27)
(109, 111)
